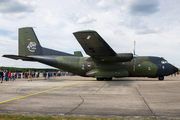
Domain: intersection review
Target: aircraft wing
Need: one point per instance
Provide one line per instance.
(93, 44)
(16, 57)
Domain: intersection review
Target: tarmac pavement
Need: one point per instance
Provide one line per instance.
(86, 97)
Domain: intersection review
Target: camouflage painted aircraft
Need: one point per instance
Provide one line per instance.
(103, 64)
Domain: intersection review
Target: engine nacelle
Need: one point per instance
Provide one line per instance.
(121, 57)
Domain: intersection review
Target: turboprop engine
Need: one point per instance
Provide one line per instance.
(120, 57)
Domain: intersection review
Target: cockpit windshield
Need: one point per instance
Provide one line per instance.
(164, 62)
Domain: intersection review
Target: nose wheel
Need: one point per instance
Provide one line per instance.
(99, 79)
(161, 77)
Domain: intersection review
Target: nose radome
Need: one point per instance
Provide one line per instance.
(175, 69)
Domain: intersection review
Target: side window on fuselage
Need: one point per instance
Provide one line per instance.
(164, 62)
(88, 66)
(82, 67)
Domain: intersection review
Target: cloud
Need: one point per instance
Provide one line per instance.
(143, 7)
(104, 4)
(16, 6)
(141, 26)
(119, 22)
(113, 4)
(147, 31)
(86, 20)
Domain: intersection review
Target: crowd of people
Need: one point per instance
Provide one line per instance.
(11, 76)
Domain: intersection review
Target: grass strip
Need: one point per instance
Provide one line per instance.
(26, 117)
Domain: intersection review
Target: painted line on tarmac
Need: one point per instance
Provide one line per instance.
(40, 92)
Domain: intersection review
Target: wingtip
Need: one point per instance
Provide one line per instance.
(85, 31)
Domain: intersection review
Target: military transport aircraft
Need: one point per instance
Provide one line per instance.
(103, 64)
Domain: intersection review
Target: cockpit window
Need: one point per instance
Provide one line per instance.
(164, 62)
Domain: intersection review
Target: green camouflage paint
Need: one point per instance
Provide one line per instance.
(103, 63)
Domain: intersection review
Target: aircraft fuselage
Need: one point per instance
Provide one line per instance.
(91, 67)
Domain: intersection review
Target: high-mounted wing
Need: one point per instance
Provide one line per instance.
(93, 44)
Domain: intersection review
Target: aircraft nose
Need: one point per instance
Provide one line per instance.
(175, 69)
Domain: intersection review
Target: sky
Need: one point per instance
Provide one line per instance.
(153, 24)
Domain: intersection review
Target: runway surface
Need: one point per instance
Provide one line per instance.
(86, 97)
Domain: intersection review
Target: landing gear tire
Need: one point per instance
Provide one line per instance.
(161, 78)
(108, 79)
(99, 79)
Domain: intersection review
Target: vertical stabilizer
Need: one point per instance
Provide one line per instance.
(28, 42)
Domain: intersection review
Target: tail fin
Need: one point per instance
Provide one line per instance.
(28, 42)
(29, 45)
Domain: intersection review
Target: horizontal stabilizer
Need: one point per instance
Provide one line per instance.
(17, 57)
(78, 53)
(49, 60)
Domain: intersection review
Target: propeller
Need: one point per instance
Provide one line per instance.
(134, 47)
(134, 57)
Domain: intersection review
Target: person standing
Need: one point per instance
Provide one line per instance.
(9, 75)
(59, 73)
(44, 75)
(49, 75)
(26, 75)
(23, 75)
(15, 75)
(29, 76)
(37, 74)
(12, 75)
(6, 75)
(55, 73)
(33, 74)
(1, 76)
(19, 75)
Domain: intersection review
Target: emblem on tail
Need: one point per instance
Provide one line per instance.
(31, 47)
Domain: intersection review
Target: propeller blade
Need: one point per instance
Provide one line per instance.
(134, 47)
(134, 57)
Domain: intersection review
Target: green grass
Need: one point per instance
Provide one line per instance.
(25, 117)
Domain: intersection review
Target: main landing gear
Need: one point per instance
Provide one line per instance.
(101, 79)
(161, 78)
